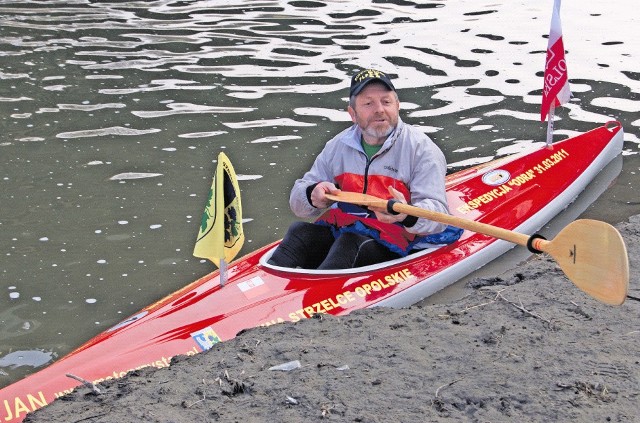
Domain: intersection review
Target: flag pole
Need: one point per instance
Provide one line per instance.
(224, 275)
(552, 110)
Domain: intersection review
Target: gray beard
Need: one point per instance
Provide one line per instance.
(379, 133)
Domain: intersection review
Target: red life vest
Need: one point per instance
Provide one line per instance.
(351, 218)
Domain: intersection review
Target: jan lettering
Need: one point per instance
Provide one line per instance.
(20, 407)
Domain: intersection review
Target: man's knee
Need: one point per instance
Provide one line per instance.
(306, 232)
(352, 240)
(299, 226)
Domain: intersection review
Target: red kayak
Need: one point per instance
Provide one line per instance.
(521, 192)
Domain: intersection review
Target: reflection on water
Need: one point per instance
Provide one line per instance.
(32, 358)
(113, 114)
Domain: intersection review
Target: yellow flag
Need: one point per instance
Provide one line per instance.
(221, 235)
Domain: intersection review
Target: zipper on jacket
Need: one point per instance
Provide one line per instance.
(366, 168)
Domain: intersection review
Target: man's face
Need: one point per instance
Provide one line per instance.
(376, 112)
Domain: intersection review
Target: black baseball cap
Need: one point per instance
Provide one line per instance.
(362, 78)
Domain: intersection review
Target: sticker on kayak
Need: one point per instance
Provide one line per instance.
(253, 287)
(128, 321)
(206, 338)
(496, 177)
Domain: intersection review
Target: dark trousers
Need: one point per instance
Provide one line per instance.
(312, 246)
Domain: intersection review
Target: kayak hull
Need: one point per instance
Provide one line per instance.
(521, 192)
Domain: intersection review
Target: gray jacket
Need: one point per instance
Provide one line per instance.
(408, 160)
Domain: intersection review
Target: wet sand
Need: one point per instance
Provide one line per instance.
(523, 346)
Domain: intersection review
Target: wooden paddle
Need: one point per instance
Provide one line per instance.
(592, 254)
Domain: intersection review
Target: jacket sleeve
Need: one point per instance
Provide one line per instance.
(299, 199)
(427, 186)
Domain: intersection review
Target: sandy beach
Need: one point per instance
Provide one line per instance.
(526, 345)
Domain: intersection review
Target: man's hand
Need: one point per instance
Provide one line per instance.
(318, 198)
(384, 216)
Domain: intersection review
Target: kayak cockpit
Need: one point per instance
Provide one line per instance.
(363, 269)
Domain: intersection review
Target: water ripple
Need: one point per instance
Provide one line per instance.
(91, 107)
(114, 130)
(133, 175)
(262, 123)
(188, 108)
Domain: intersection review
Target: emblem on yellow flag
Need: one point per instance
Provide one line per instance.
(221, 236)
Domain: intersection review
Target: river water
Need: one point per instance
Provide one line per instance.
(113, 114)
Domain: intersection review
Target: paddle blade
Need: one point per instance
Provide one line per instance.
(594, 257)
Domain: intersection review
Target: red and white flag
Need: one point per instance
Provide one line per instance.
(556, 89)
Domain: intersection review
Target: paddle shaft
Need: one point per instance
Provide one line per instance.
(478, 227)
(535, 243)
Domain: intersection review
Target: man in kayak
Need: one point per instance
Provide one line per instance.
(378, 155)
